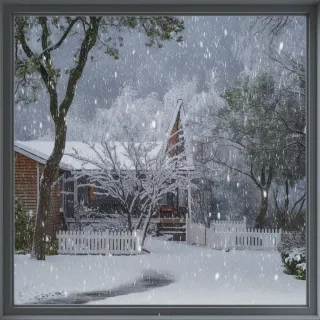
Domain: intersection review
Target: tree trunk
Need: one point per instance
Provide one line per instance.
(145, 226)
(129, 221)
(264, 192)
(59, 115)
(286, 202)
(50, 174)
(138, 224)
(140, 219)
(260, 220)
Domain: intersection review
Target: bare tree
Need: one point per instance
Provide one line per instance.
(137, 174)
(118, 171)
(164, 174)
(269, 26)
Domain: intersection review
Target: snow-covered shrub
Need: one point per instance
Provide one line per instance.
(292, 249)
(52, 248)
(24, 223)
(301, 271)
(111, 222)
(290, 241)
(296, 257)
(82, 211)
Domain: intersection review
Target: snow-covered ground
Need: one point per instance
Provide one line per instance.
(201, 276)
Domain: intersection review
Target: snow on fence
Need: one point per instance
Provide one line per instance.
(228, 225)
(81, 242)
(235, 238)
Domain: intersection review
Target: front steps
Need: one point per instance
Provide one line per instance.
(177, 230)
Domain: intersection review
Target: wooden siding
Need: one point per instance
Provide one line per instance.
(174, 136)
(92, 195)
(25, 179)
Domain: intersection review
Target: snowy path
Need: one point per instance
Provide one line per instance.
(201, 276)
(149, 280)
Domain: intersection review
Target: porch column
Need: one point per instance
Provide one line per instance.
(189, 201)
(188, 217)
(38, 185)
(75, 191)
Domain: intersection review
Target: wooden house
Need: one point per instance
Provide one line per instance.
(174, 207)
(31, 156)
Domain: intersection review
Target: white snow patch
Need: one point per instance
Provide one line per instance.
(280, 46)
(153, 124)
(241, 281)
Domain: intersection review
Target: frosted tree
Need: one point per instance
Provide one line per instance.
(144, 115)
(137, 174)
(287, 54)
(279, 46)
(164, 174)
(118, 170)
(290, 208)
(258, 38)
(35, 68)
(200, 121)
(148, 115)
(259, 145)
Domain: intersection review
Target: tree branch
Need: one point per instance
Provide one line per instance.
(75, 74)
(289, 129)
(47, 50)
(296, 203)
(47, 79)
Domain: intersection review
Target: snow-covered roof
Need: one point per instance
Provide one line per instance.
(40, 150)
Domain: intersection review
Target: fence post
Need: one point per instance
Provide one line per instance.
(59, 241)
(107, 248)
(138, 240)
(187, 226)
(205, 235)
(279, 236)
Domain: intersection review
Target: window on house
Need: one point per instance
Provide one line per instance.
(163, 200)
(183, 198)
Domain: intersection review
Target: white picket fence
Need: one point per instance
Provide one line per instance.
(235, 238)
(81, 242)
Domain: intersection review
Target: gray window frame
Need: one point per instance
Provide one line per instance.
(185, 7)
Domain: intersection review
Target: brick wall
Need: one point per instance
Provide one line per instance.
(25, 181)
(26, 190)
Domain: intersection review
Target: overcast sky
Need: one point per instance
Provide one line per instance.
(210, 46)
